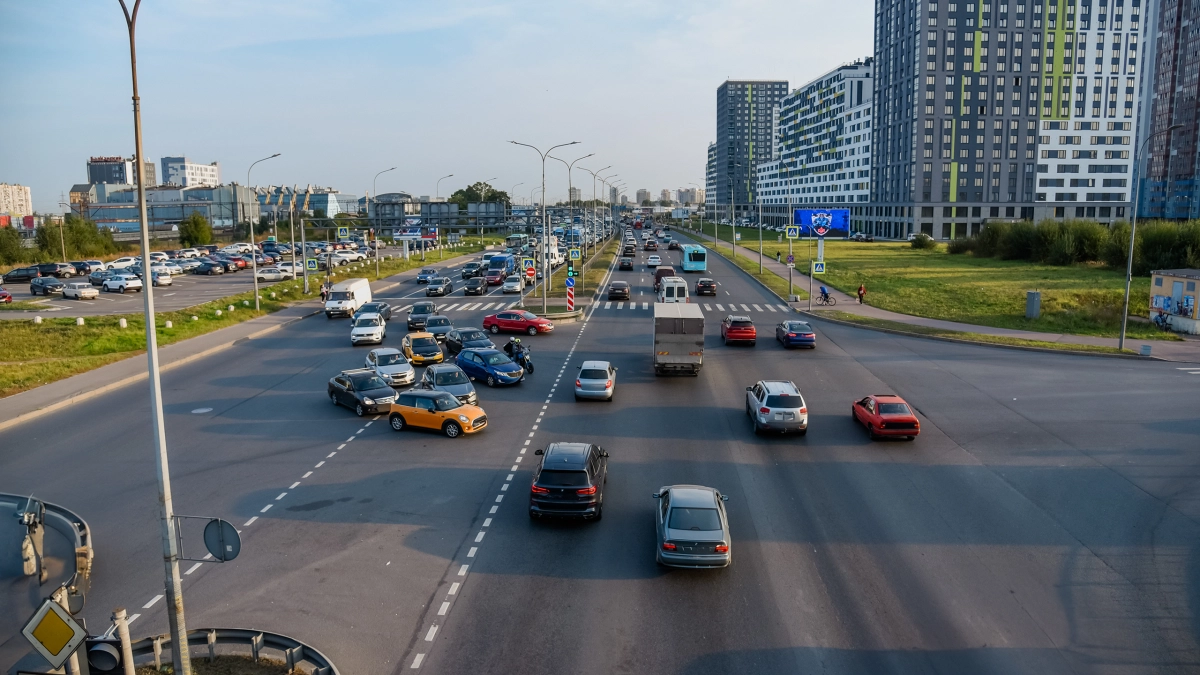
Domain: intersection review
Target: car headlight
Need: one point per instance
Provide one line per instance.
(462, 418)
(368, 401)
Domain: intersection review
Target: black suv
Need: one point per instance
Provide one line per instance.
(22, 275)
(419, 312)
(45, 286)
(569, 481)
(57, 270)
(473, 269)
(475, 286)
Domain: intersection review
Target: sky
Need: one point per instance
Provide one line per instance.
(346, 88)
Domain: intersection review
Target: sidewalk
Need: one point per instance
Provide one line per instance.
(1187, 351)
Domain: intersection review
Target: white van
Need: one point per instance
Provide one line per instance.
(347, 296)
(673, 289)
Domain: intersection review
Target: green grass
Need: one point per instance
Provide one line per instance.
(776, 283)
(37, 354)
(1078, 299)
(962, 335)
(20, 306)
(597, 267)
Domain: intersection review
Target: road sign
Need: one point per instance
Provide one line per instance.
(311, 263)
(527, 263)
(222, 540)
(570, 298)
(53, 633)
(570, 283)
(791, 264)
(737, 236)
(575, 254)
(793, 232)
(530, 272)
(791, 258)
(343, 232)
(818, 267)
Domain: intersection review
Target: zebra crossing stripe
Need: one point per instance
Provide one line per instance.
(707, 308)
(756, 308)
(633, 305)
(645, 305)
(403, 308)
(511, 305)
(720, 308)
(745, 308)
(770, 308)
(620, 305)
(784, 308)
(487, 306)
(447, 309)
(608, 305)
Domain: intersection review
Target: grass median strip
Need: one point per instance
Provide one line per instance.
(771, 280)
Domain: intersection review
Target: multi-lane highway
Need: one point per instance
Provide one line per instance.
(1044, 521)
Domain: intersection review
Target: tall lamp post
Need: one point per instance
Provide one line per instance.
(376, 228)
(180, 657)
(253, 252)
(438, 190)
(697, 186)
(570, 185)
(511, 196)
(1133, 232)
(482, 197)
(594, 178)
(545, 223)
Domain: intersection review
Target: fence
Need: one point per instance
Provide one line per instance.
(294, 652)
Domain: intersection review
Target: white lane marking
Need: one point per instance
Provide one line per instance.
(487, 306)
(444, 608)
(620, 305)
(417, 661)
(281, 496)
(471, 553)
(207, 556)
(462, 571)
(447, 309)
(358, 432)
(319, 464)
(250, 522)
(756, 308)
(514, 467)
(153, 600)
(531, 434)
(707, 308)
(266, 508)
(645, 305)
(131, 619)
(373, 419)
(510, 476)
(720, 308)
(293, 486)
(494, 509)
(769, 307)
(499, 498)
(745, 308)
(431, 633)
(341, 446)
(454, 588)
(504, 488)
(487, 522)
(306, 475)
(193, 568)
(331, 454)
(479, 537)
(520, 458)
(784, 308)
(608, 305)
(726, 292)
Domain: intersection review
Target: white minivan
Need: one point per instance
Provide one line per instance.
(347, 296)
(673, 289)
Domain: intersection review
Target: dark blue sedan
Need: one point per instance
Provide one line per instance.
(489, 365)
(796, 334)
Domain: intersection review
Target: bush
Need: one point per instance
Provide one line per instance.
(1090, 238)
(83, 240)
(923, 241)
(1116, 249)
(962, 245)
(194, 230)
(987, 243)
(1018, 242)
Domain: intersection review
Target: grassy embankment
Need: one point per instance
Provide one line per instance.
(596, 267)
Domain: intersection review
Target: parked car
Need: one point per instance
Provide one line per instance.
(569, 481)
(273, 274)
(119, 283)
(886, 415)
(596, 379)
(57, 270)
(427, 275)
(159, 276)
(21, 275)
(706, 286)
(517, 321)
(796, 334)
(96, 278)
(459, 339)
(691, 527)
(80, 290)
(738, 329)
(209, 267)
(381, 308)
(82, 267)
(475, 286)
(441, 286)
(45, 286)
(368, 328)
(435, 410)
(421, 348)
(618, 290)
(451, 379)
(122, 263)
(419, 312)
(776, 405)
(390, 365)
(362, 391)
(490, 365)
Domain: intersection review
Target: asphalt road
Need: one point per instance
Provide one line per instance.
(1044, 522)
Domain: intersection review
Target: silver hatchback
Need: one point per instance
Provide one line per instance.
(596, 379)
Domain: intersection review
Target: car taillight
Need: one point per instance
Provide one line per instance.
(804, 411)
(608, 384)
(668, 546)
(722, 548)
(764, 410)
(807, 335)
(539, 490)
(791, 335)
(578, 383)
(586, 491)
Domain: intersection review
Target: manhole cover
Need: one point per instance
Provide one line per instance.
(201, 411)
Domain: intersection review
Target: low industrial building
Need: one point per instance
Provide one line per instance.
(1173, 292)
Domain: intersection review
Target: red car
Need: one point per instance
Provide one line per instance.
(517, 321)
(495, 278)
(738, 329)
(5, 296)
(886, 415)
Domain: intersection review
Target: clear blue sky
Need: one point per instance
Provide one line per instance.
(346, 88)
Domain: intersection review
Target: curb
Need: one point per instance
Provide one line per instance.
(80, 396)
(1027, 348)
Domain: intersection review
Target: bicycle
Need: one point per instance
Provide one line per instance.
(1163, 321)
(826, 299)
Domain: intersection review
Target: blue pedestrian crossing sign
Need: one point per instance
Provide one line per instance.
(575, 254)
(343, 232)
(818, 267)
(526, 263)
(793, 232)
(311, 263)
(570, 283)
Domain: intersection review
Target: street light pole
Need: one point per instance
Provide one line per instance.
(594, 178)
(697, 185)
(545, 223)
(376, 228)
(253, 253)
(438, 192)
(482, 195)
(571, 187)
(1133, 232)
(511, 196)
(177, 626)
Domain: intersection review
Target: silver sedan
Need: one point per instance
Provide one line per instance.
(692, 527)
(596, 379)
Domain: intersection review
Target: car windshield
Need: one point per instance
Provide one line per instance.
(391, 359)
(799, 326)
(528, 316)
(423, 308)
(593, 374)
(424, 343)
(447, 402)
(497, 359)
(706, 281)
(339, 295)
(778, 401)
(620, 285)
(563, 478)
(893, 409)
(437, 321)
(371, 307)
(472, 336)
(450, 377)
(367, 382)
(367, 322)
(703, 520)
(429, 271)
(741, 323)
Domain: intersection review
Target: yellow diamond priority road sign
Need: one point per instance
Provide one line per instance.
(53, 633)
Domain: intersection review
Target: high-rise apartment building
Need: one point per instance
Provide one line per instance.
(745, 137)
(643, 196)
(998, 110)
(1172, 168)
(574, 194)
(665, 196)
(690, 196)
(183, 172)
(710, 181)
(823, 146)
(15, 200)
(613, 195)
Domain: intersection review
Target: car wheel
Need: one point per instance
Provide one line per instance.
(871, 432)
(495, 329)
(804, 432)
(452, 429)
(532, 331)
(491, 381)
(599, 512)
(359, 410)
(333, 398)
(396, 422)
(121, 290)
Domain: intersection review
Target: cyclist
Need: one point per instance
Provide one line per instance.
(824, 294)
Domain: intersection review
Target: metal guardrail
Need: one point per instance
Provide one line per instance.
(294, 652)
(71, 526)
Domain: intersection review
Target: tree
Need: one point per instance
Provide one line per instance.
(194, 230)
(81, 236)
(647, 202)
(479, 192)
(11, 250)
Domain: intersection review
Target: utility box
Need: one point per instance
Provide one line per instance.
(1033, 304)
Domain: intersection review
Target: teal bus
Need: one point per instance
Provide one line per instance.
(695, 258)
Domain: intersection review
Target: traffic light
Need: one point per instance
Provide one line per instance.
(104, 655)
(570, 269)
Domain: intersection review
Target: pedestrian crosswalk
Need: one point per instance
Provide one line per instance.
(465, 307)
(723, 308)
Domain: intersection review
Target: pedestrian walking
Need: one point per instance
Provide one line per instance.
(862, 292)
(777, 257)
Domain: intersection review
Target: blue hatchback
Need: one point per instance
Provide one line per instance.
(489, 365)
(796, 334)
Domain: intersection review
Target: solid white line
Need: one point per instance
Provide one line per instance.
(431, 633)
(266, 508)
(454, 588)
(250, 522)
(444, 608)
(293, 486)
(281, 496)
(150, 604)
(479, 537)
(462, 571)
(193, 568)
(471, 553)
(306, 475)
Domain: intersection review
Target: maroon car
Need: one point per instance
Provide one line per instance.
(517, 321)
(5, 296)
(495, 277)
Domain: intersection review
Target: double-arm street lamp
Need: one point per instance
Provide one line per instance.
(482, 195)
(375, 228)
(594, 178)
(571, 187)
(253, 250)
(545, 224)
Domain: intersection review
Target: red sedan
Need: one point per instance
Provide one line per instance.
(5, 296)
(517, 321)
(495, 277)
(738, 329)
(886, 415)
